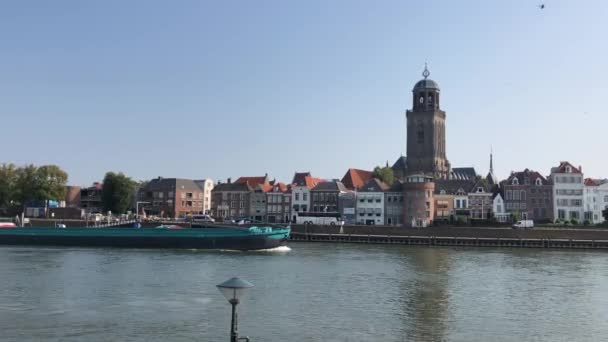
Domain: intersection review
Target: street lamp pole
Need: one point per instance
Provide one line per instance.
(233, 289)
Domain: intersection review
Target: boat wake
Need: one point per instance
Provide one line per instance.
(277, 250)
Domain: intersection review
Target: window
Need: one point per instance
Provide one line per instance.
(605, 199)
(509, 195)
(523, 195)
(304, 196)
(458, 203)
(516, 195)
(574, 215)
(576, 203)
(297, 196)
(515, 181)
(538, 182)
(562, 202)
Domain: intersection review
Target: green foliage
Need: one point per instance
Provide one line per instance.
(384, 174)
(117, 192)
(18, 185)
(516, 216)
(8, 184)
(574, 221)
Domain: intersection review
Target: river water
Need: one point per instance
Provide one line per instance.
(313, 292)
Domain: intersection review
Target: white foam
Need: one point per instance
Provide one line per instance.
(280, 249)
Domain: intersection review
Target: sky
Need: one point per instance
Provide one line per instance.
(218, 89)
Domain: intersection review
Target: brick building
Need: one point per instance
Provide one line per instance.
(529, 195)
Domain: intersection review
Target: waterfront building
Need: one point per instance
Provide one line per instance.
(90, 198)
(355, 179)
(207, 186)
(230, 200)
(259, 186)
(172, 197)
(426, 131)
(498, 208)
(393, 204)
(528, 195)
(301, 185)
(596, 199)
(444, 206)
(418, 191)
(347, 204)
(325, 197)
(278, 199)
(480, 200)
(370, 202)
(568, 192)
(457, 191)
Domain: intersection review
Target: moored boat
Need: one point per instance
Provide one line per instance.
(232, 238)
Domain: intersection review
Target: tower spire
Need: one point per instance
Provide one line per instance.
(426, 73)
(491, 161)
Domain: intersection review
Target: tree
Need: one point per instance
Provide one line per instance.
(8, 184)
(384, 174)
(27, 187)
(51, 182)
(117, 192)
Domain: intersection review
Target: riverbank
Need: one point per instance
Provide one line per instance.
(462, 236)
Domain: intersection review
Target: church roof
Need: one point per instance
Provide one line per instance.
(355, 178)
(463, 173)
(426, 84)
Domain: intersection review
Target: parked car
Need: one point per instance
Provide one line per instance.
(524, 224)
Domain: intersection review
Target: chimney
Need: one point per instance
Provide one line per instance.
(580, 168)
(229, 180)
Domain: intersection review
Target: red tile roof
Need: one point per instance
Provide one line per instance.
(355, 178)
(591, 182)
(299, 177)
(311, 182)
(252, 181)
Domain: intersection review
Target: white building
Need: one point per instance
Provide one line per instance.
(461, 201)
(568, 192)
(206, 185)
(370, 203)
(498, 207)
(596, 200)
(300, 192)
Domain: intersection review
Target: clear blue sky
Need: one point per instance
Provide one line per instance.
(228, 88)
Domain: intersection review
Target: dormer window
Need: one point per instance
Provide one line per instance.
(479, 189)
(515, 181)
(568, 169)
(538, 182)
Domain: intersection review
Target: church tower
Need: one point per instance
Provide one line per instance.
(426, 131)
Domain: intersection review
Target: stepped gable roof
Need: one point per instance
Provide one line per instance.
(563, 166)
(463, 173)
(330, 186)
(375, 185)
(451, 186)
(356, 178)
(253, 181)
(526, 177)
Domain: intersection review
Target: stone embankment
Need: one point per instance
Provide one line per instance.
(457, 236)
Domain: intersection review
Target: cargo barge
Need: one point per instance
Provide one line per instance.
(229, 238)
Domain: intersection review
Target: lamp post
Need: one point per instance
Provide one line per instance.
(233, 289)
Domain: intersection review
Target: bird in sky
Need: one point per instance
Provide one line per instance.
(542, 6)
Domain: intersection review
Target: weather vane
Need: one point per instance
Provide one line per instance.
(426, 73)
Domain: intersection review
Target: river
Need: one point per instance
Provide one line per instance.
(313, 292)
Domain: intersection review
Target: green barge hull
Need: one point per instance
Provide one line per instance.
(231, 238)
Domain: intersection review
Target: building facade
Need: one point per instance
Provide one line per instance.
(301, 185)
(207, 186)
(370, 203)
(90, 199)
(325, 197)
(394, 203)
(480, 201)
(230, 200)
(528, 195)
(278, 199)
(171, 197)
(568, 192)
(596, 200)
